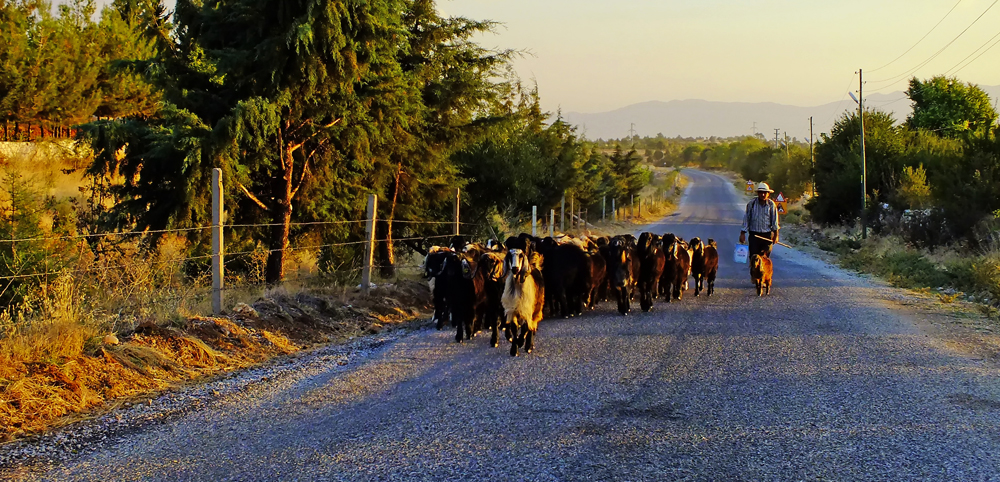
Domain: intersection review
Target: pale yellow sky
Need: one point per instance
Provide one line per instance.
(598, 55)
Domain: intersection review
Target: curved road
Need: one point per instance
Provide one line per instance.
(819, 381)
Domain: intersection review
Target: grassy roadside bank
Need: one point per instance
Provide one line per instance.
(62, 372)
(948, 274)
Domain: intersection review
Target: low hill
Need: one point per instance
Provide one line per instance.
(702, 118)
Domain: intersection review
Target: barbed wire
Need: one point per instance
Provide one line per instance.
(209, 256)
(101, 268)
(101, 235)
(224, 226)
(312, 223)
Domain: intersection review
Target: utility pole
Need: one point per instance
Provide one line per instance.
(631, 132)
(812, 156)
(786, 146)
(776, 139)
(864, 169)
(755, 129)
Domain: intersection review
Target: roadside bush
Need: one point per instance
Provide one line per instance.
(794, 216)
(888, 258)
(985, 275)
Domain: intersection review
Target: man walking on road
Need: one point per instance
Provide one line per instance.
(761, 221)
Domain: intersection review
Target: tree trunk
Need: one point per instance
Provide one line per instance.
(386, 253)
(279, 243)
(282, 221)
(386, 257)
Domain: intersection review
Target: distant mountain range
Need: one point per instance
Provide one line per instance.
(702, 118)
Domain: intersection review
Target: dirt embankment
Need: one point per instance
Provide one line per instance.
(116, 370)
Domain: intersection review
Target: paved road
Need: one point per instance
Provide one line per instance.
(820, 381)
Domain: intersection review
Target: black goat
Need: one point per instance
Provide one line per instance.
(564, 266)
(491, 265)
(651, 261)
(620, 272)
(466, 296)
(595, 281)
(434, 273)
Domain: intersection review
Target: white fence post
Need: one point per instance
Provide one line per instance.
(218, 275)
(614, 211)
(552, 222)
(534, 220)
(366, 268)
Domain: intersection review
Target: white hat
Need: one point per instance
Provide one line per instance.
(763, 187)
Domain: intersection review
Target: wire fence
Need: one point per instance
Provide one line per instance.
(131, 277)
(227, 255)
(125, 284)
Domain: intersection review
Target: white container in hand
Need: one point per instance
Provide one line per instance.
(741, 253)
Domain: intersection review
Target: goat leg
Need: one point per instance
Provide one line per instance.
(495, 339)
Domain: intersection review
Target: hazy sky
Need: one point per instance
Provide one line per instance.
(598, 55)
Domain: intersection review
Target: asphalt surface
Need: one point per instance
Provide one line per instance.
(822, 380)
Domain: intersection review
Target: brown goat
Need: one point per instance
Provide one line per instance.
(704, 265)
(761, 271)
(711, 266)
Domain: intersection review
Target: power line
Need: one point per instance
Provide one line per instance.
(932, 57)
(847, 91)
(918, 41)
(974, 53)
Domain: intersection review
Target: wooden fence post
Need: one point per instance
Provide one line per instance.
(366, 267)
(604, 210)
(218, 261)
(562, 214)
(572, 212)
(458, 200)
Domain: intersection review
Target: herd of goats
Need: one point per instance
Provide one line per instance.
(508, 287)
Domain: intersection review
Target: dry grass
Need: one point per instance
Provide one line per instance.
(55, 372)
(55, 366)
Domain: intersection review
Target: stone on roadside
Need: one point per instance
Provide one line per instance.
(244, 310)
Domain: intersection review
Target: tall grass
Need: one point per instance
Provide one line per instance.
(889, 257)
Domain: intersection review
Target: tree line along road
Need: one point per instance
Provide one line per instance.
(821, 380)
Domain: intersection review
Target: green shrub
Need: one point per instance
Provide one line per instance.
(985, 275)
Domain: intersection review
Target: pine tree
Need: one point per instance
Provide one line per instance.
(307, 106)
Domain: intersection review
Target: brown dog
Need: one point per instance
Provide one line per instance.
(761, 271)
